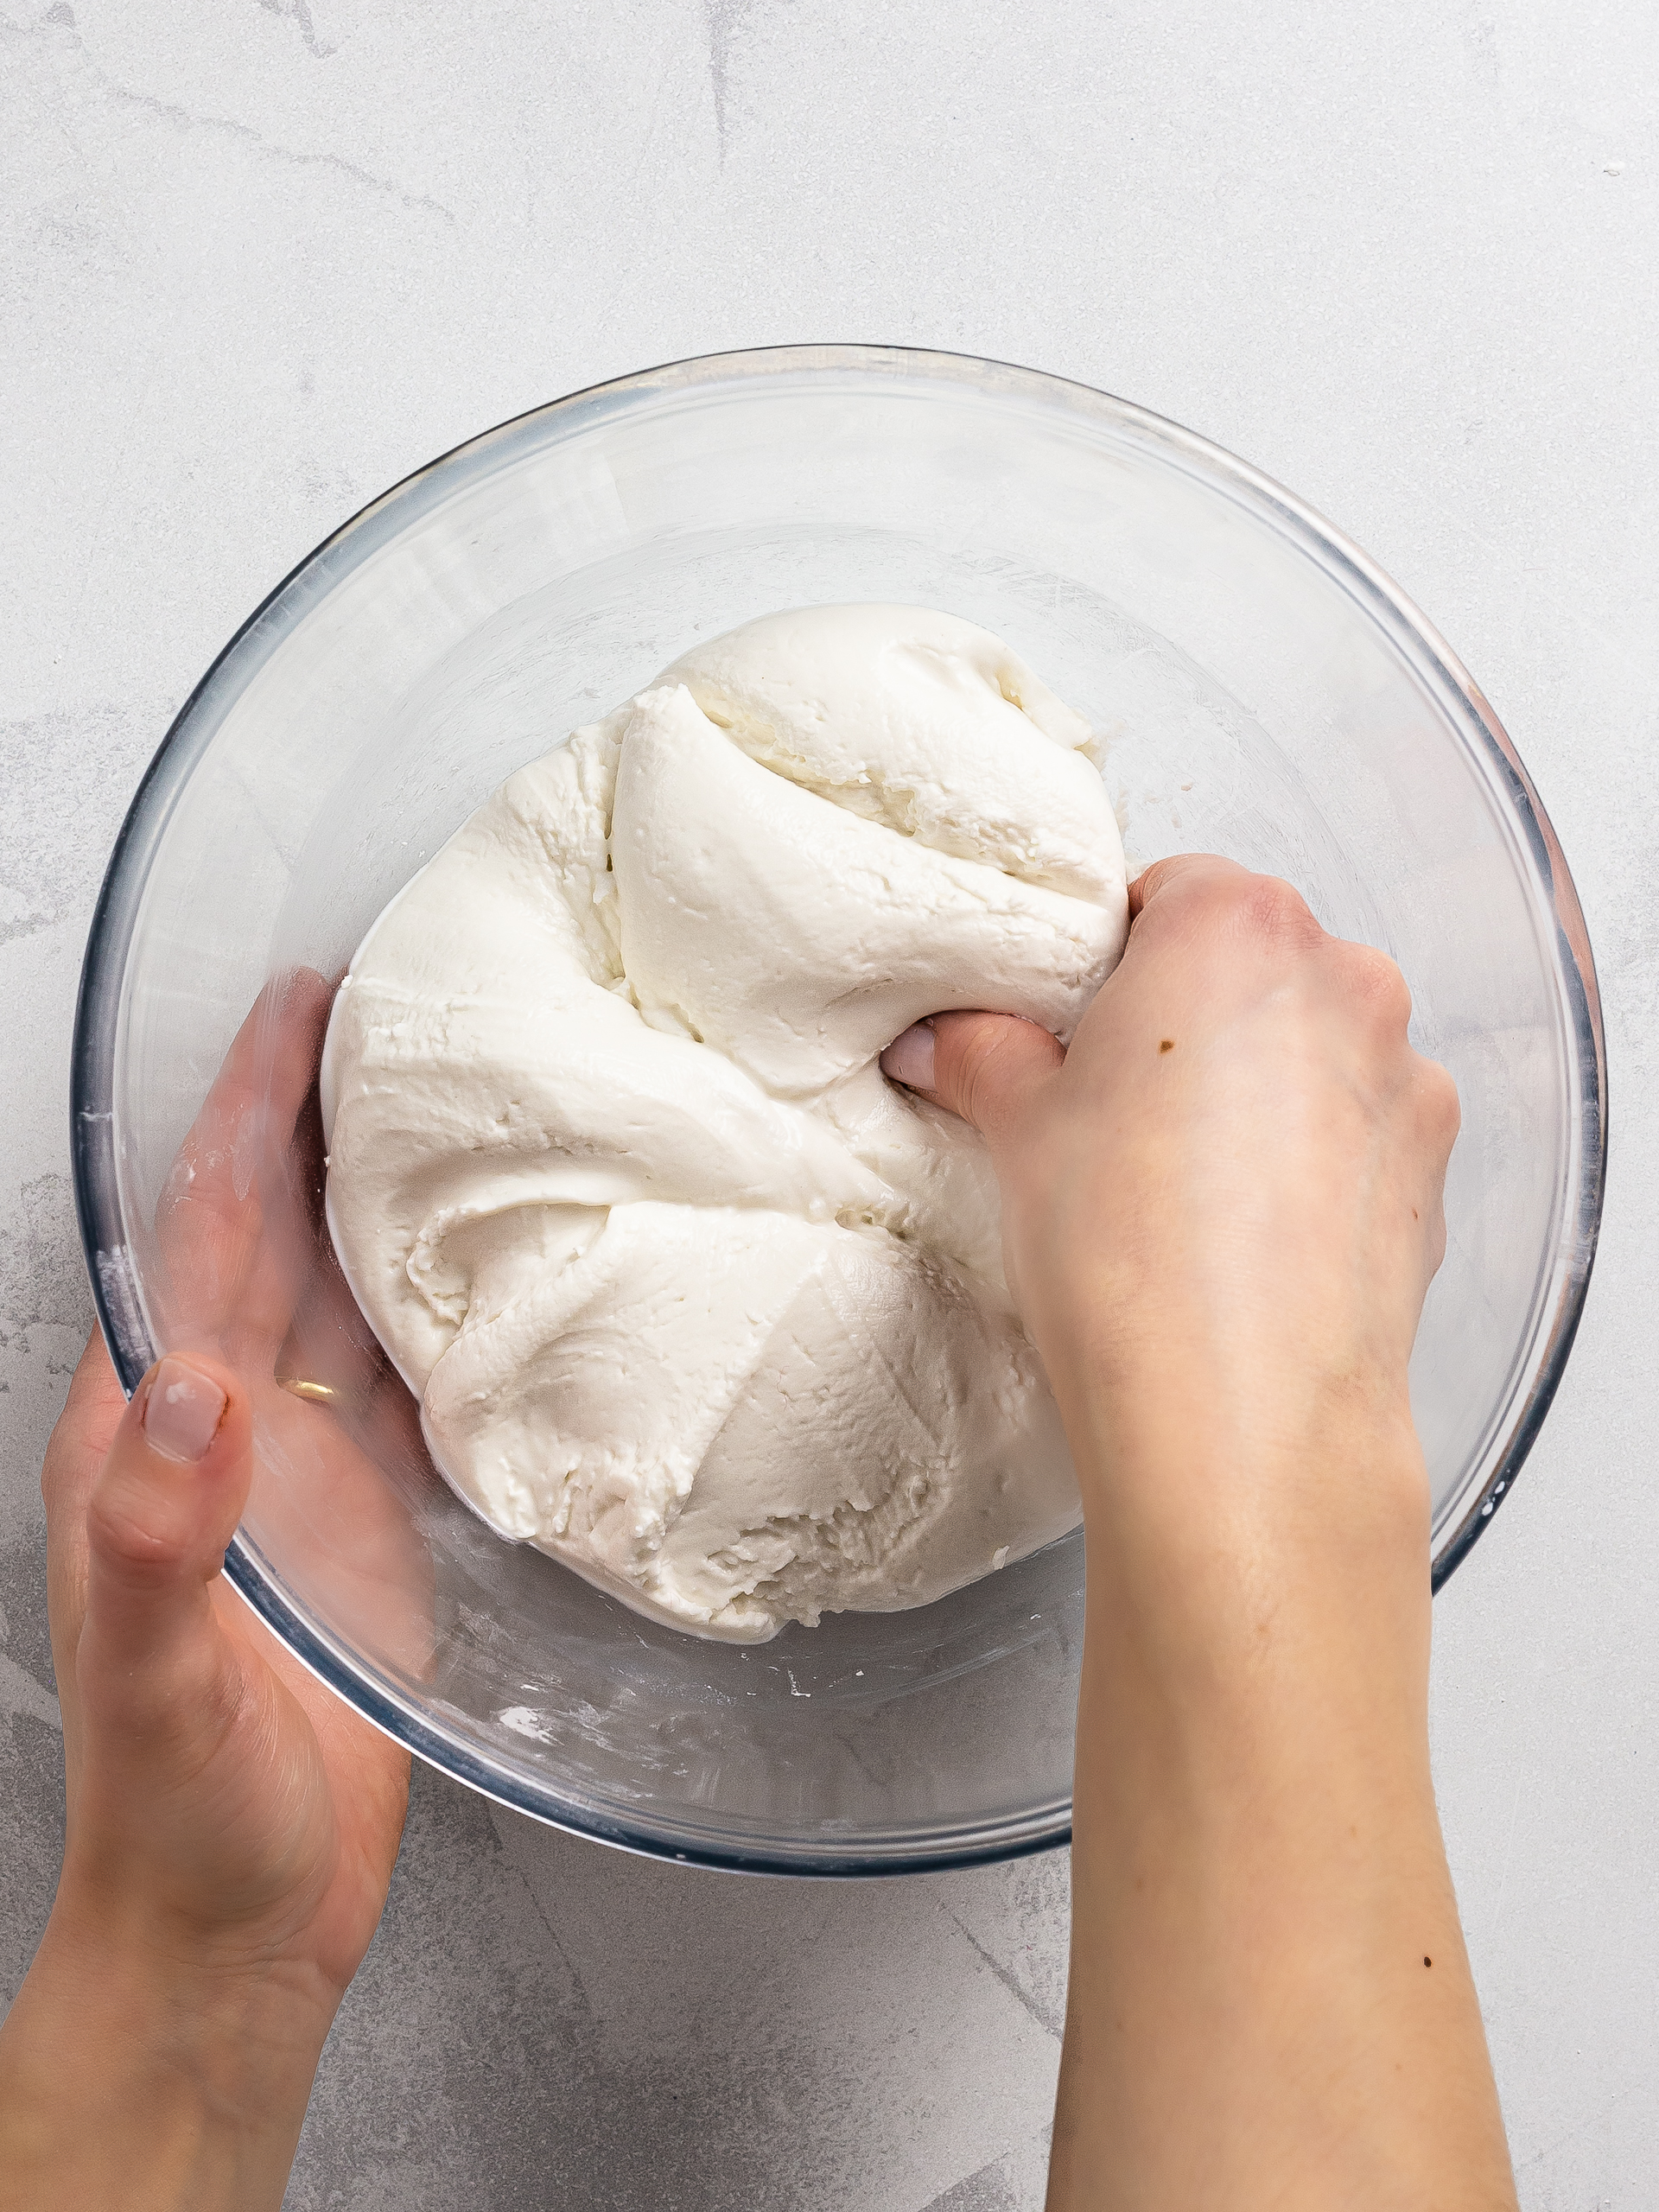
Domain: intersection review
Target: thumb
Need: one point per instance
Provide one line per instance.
(164, 1506)
(988, 1068)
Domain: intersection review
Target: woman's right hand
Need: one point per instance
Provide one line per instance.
(1222, 1208)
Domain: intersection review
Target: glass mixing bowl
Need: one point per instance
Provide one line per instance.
(1267, 694)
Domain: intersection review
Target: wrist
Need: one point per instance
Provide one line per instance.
(1255, 1669)
(153, 2072)
(1252, 1543)
(1257, 1445)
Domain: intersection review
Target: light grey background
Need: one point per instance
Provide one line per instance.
(261, 258)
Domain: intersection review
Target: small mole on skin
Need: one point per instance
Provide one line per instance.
(1168, 1045)
(1428, 1962)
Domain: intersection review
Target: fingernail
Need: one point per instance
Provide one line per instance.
(183, 1410)
(909, 1058)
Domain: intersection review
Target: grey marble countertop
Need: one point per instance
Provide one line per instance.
(260, 257)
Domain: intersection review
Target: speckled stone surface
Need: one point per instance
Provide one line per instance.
(260, 257)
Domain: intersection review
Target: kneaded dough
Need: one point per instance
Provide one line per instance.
(691, 1296)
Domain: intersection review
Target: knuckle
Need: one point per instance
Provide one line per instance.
(977, 1048)
(130, 1531)
(1442, 1107)
(1275, 912)
(983, 1062)
(1436, 1243)
(1375, 982)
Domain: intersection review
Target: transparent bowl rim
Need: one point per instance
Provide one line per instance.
(92, 1065)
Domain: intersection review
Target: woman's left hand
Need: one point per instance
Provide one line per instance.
(232, 1824)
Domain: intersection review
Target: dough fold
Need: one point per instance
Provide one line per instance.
(691, 1297)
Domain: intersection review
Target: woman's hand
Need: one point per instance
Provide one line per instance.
(1224, 1203)
(1221, 1209)
(232, 1824)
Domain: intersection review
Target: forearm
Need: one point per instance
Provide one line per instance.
(1270, 2002)
(159, 2084)
(1222, 1204)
